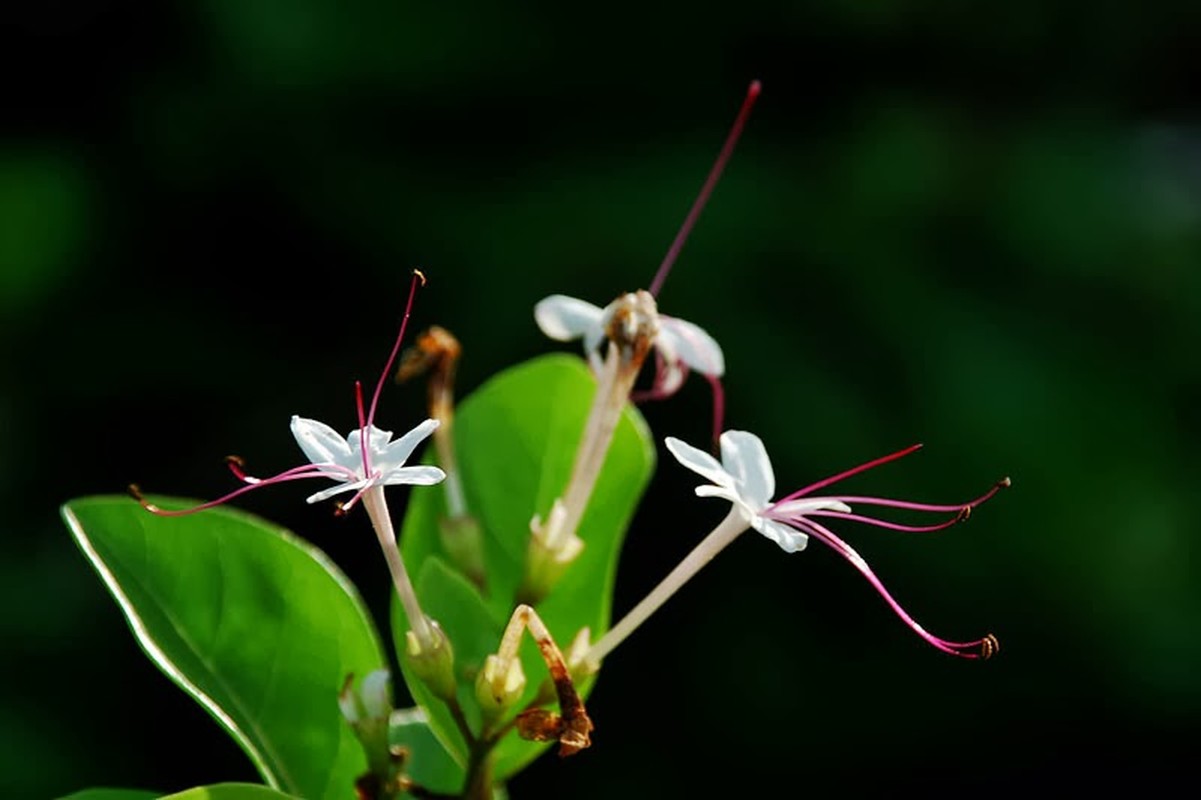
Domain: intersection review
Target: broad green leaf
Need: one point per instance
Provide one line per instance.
(257, 625)
(113, 794)
(428, 764)
(230, 791)
(516, 439)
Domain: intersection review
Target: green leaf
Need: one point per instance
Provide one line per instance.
(516, 439)
(428, 764)
(113, 794)
(230, 791)
(257, 625)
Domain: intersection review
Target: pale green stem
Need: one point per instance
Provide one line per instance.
(616, 379)
(456, 503)
(730, 528)
(381, 520)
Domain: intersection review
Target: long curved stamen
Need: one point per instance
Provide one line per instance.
(958, 508)
(383, 377)
(333, 471)
(852, 471)
(719, 409)
(358, 404)
(980, 648)
(698, 205)
(965, 512)
(294, 474)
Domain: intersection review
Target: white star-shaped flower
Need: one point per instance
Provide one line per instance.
(745, 478)
(341, 458)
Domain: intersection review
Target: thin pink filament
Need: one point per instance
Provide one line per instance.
(698, 205)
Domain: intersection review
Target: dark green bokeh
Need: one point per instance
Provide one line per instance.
(974, 229)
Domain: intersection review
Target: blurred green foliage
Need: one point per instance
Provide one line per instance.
(975, 227)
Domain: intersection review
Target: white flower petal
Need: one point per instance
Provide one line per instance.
(744, 457)
(790, 539)
(326, 494)
(798, 508)
(724, 492)
(415, 476)
(321, 443)
(377, 443)
(689, 343)
(398, 452)
(565, 318)
(699, 462)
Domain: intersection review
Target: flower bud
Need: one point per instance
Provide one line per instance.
(552, 550)
(368, 711)
(433, 660)
(499, 686)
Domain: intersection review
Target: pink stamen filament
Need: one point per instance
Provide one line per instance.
(892, 526)
(358, 402)
(366, 421)
(327, 471)
(698, 205)
(383, 377)
(980, 648)
(238, 467)
(719, 409)
(890, 503)
(853, 471)
(349, 504)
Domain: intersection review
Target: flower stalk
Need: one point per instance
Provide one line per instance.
(631, 325)
(436, 355)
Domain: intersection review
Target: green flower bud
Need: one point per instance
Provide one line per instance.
(433, 660)
(499, 686)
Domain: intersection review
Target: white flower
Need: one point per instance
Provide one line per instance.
(681, 345)
(745, 478)
(342, 458)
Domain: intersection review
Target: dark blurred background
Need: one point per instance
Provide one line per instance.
(973, 225)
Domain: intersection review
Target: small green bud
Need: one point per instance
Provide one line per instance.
(499, 686)
(433, 660)
(368, 711)
(579, 666)
(552, 550)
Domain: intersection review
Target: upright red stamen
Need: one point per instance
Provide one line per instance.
(358, 403)
(719, 409)
(694, 213)
(383, 377)
(853, 471)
